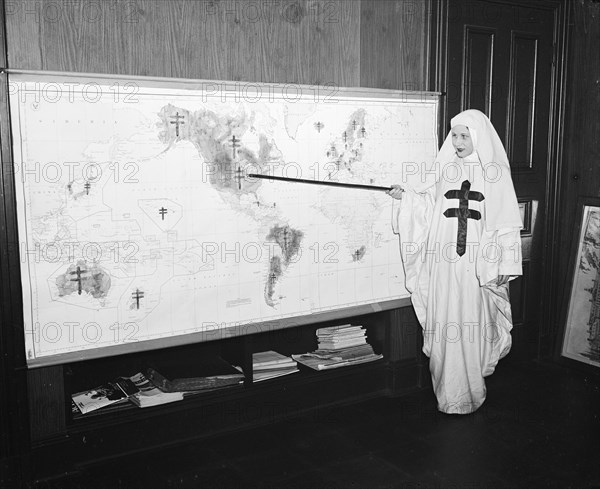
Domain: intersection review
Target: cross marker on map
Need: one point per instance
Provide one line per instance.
(234, 144)
(137, 295)
(178, 120)
(239, 175)
(78, 272)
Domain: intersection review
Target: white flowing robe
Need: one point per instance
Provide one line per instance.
(465, 316)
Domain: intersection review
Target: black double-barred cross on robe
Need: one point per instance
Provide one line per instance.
(462, 212)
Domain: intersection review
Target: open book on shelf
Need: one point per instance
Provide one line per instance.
(108, 394)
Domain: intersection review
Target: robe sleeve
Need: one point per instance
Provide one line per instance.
(411, 219)
(510, 259)
(499, 254)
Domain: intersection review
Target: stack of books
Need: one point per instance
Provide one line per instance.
(174, 381)
(340, 337)
(150, 395)
(206, 373)
(161, 384)
(339, 346)
(271, 364)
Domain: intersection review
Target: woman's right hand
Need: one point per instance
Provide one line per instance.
(396, 192)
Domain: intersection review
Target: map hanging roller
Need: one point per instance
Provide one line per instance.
(320, 182)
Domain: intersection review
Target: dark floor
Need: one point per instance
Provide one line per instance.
(539, 427)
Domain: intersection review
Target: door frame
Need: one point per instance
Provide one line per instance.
(548, 326)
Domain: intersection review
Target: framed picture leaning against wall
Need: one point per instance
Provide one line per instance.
(581, 340)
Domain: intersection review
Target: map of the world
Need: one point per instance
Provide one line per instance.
(138, 220)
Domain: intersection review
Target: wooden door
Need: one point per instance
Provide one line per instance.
(502, 57)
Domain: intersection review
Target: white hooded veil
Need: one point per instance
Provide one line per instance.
(502, 210)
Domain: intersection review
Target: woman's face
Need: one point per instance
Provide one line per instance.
(461, 140)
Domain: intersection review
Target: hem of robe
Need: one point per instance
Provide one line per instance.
(499, 297)
(463, 408)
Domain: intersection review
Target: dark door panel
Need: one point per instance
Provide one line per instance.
(499, 59)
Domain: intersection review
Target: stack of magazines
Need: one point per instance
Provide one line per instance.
(111, 393)
(339, 346)
(271, 364)
(161, 384)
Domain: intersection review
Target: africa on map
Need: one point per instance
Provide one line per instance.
(137, 218)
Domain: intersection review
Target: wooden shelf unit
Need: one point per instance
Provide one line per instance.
(62, 443)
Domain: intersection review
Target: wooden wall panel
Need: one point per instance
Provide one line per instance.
(521, 100)
(581, 174)
(47, 415)
(394, 44)
(282, 45)
(14, 421)
(305, 41)
(334, 45)
(477, 69)
(407, 340)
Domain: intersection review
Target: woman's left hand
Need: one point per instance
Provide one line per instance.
(502, 279)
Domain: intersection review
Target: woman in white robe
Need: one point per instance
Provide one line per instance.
(459, 226)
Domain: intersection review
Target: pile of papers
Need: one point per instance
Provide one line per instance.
(202, 374)
(168, 382)
(174, 381)
(271, 364)
(150, 395)
(339, 346)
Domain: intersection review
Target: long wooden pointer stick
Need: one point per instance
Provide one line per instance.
(320, 182)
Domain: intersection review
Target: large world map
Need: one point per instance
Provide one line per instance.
(138, 220)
